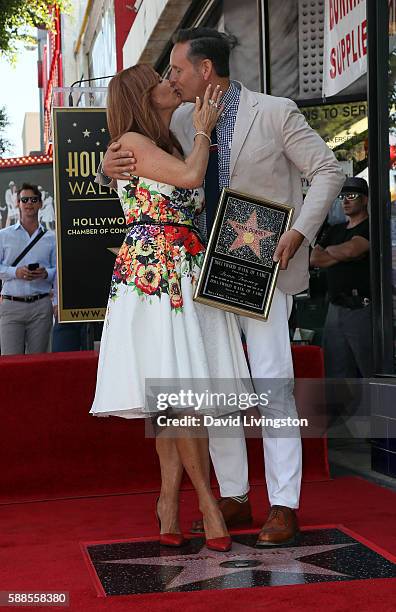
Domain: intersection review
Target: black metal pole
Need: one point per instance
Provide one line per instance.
(264, 59)
(110, 76)
(380, 206)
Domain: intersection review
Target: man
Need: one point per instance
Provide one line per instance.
(343, 252)
(11, 201)
(4, 210)
(47, 212)
(264, 143)
(26, 310)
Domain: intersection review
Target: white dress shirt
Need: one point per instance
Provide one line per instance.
(13, 240)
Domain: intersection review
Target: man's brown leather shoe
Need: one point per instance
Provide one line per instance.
(235, 514)
(281, 527)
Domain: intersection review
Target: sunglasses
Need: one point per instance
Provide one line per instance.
(32, 199)
(349, 196)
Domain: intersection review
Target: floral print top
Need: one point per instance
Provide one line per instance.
(156, 254)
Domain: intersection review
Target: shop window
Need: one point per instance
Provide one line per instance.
(102, 56)
(344, 128)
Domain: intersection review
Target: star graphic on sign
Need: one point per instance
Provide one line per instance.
(206, 565)
(102, 129)
(74, 124)
(86, 133)
(249, 234)
(97, 143)
(69, 140)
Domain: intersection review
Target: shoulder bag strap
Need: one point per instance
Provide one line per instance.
(29, 246)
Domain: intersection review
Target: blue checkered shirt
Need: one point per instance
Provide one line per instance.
(225, 131)
(224, 134)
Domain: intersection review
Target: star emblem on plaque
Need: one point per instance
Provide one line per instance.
(249, 234)
(239, 273)
(322, 555)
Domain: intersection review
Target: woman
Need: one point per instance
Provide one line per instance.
(153, 329)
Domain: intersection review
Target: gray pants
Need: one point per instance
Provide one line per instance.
(25, 327)
(348, 352)
(347, 342)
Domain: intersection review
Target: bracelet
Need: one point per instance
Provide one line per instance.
(107, 178)
(203, 134)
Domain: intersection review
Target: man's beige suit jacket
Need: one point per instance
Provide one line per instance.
(272, 147)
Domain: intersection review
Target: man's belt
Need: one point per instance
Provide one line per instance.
(27, 299)
(351, 301)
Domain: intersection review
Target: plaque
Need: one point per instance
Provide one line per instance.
(238, 273)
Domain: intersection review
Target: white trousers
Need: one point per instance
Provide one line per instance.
(271, 367)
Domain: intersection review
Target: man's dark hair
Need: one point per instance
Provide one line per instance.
(33, 188)
(207, 43)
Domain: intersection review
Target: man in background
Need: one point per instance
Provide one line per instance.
(3, 211)
(27, 269)
(343, 251)
(11, 202)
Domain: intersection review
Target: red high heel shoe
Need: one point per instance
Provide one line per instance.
(222, 544)
(169, 539)
(219, 544)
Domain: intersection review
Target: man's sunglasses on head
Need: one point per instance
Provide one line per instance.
(349, 196)
(32, 199)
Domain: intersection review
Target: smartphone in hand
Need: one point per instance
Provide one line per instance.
(33, 266)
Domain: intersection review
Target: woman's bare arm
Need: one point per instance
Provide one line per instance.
(154, 163)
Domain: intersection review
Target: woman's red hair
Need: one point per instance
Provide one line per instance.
(130, 109)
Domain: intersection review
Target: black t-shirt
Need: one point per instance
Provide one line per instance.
(347, 277)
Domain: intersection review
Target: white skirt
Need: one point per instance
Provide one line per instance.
(148, 341)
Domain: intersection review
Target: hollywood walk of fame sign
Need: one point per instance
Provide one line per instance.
(239, 274)
(90, 222)
(321, 555)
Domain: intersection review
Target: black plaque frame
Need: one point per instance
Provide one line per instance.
(242, 279)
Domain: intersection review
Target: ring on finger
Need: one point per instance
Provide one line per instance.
(211, 102)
